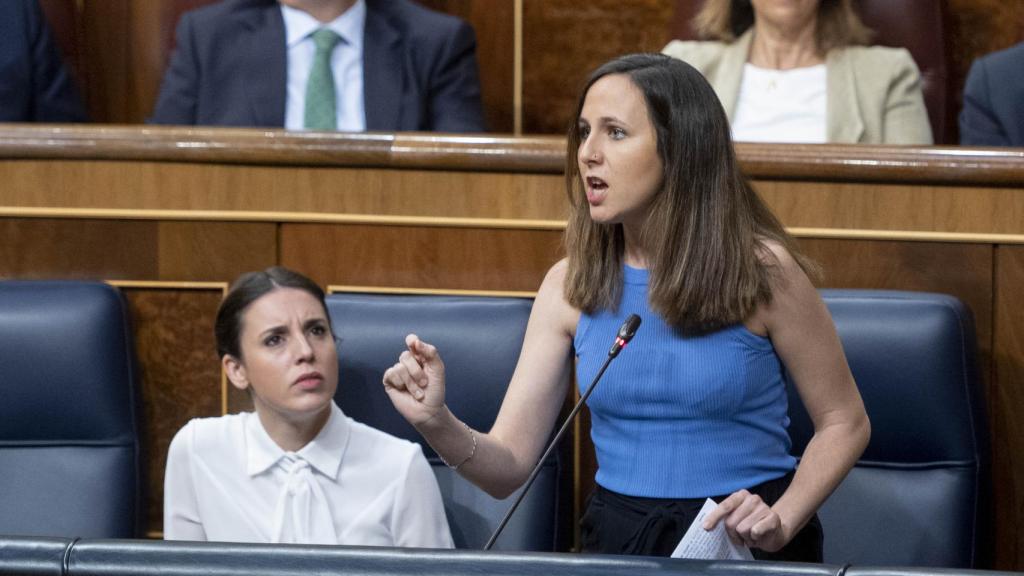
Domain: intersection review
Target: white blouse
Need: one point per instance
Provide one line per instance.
(227, 481)
(781, 105)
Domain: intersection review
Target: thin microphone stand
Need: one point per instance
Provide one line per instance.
(625, 335)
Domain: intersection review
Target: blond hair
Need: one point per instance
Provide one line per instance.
(838, 24)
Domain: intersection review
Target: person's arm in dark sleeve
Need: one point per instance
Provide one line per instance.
(978, 124)
(54, 96)
(455, 86)
(178, 100)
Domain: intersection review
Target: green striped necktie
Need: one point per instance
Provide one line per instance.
(321, 99)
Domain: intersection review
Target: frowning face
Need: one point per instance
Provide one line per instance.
(289, 359)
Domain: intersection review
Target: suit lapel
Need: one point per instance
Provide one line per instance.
(266, 73)
(382, 71)
(727, 81)
(843, 116)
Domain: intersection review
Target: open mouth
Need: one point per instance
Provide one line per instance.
(595, 188)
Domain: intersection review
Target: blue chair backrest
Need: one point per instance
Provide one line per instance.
(479, 339)
(919, 494)
(69, 441)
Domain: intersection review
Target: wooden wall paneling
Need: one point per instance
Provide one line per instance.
(293, 189)
(107, 54)
(1005, 406)
(494, 24)
(977, 28)
(67, 248)
(118, 51)
(564, 40)
(134, 249)
(147, 59)
(908, 207)
(420, 257)
(214, 251)
(179, 370)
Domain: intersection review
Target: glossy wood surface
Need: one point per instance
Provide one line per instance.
(433, 211)
(114, 249)
(535, 154)
(563, 40)
(173, 330)
(1005, 397)
(979, 27)
(420, 257)
(253, 175)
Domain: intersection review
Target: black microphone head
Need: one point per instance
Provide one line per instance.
(628, 329)
(626, 333)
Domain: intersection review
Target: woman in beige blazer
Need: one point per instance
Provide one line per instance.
(872, 93)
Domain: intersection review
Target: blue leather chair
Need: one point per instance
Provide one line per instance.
(69, 437)
(480, 338)
(919, 494)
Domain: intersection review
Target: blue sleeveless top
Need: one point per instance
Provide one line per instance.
(682, 417)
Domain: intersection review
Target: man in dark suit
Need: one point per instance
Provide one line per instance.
(34, 86)
(993, 112)
(240, 63)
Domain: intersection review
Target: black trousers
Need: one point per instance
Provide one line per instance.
(617, 524)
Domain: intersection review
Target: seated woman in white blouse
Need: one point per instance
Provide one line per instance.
(297, 470)
(799, 71)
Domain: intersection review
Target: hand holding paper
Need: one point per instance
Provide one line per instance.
(714, 544)
(749, 521)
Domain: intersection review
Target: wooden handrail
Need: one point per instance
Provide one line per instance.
(491, 153)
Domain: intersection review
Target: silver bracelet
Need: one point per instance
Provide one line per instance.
(472, 435)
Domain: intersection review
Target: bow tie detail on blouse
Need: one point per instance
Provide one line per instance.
(303, 515)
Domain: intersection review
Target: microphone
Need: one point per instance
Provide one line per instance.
(626, 333)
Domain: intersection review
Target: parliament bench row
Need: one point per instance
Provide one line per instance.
(69, 424)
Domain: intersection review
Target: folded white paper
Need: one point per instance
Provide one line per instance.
(701, 544)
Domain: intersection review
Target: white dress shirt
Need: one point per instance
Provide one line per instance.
(228, 481)
(346, 63)
(781, 105)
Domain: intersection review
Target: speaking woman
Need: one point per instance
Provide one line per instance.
(663, 224)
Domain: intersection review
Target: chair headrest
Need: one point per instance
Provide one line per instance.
(65, 356)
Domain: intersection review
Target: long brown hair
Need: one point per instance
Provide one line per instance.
(838, 23)
(706, 229)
